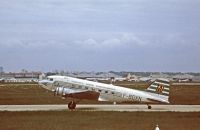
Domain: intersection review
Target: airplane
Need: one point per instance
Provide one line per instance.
(78, 89)
(2, 79)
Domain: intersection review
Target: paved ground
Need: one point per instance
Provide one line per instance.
(185, 84)
(155, 108)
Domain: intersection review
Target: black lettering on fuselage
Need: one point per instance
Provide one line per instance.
(133, 98)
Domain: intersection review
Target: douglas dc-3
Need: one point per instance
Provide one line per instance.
(78, 89)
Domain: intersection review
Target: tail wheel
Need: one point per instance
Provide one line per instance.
(149, 107)
(72, 105)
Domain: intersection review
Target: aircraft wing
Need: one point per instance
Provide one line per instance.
(77, 93)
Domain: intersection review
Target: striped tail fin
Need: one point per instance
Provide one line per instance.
(160, 87)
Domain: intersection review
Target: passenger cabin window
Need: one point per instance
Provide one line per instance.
(51, 79)
(106, 91)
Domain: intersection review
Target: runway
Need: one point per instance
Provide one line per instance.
(88, 107)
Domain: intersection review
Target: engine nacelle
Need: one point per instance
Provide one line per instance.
(62, 91)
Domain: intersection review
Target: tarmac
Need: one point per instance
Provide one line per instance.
(89, 107)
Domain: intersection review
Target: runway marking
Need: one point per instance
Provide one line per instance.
(88, 107)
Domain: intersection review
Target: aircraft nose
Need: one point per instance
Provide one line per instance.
(43, 82)
(46, 84)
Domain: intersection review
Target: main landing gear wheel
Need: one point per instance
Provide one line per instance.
(72, 105)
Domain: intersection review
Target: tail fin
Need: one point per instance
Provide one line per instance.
(160, 87)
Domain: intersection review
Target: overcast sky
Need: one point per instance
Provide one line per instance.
(100, 35)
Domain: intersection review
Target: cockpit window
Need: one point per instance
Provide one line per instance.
(51, 79)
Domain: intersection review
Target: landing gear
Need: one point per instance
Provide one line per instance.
(149, 106)
(72, 105)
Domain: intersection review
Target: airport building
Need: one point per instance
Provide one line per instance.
(196, 79)
(21, 77)
(1, 69)
(89, 75)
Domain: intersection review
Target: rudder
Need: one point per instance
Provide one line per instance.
(160, 87)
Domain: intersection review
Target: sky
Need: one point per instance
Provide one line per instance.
(100, 35)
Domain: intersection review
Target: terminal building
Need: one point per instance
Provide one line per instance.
(21, 77)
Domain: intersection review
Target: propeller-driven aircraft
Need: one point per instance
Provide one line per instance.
(78, 89)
